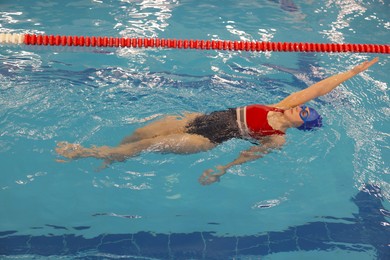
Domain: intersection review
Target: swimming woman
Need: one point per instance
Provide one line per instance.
(194, 132)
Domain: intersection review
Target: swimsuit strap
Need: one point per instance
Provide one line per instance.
(275, 109)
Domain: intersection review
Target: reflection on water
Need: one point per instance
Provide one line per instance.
(348, 12)
(143, 18)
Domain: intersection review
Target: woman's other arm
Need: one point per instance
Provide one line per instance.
(253, 153)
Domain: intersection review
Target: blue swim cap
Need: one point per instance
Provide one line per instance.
(313, 120)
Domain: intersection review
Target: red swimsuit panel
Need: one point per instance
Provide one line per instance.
(253, 120)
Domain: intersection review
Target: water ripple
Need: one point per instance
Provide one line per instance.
(143, 18)
(348, 11)
(360, 117)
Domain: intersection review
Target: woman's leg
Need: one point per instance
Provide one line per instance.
(175, 143)
(165, 126)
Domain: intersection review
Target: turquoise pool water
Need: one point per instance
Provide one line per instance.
(324, 195)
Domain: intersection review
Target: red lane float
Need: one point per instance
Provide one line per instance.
(123, 42)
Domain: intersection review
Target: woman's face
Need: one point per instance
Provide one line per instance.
(295, 115)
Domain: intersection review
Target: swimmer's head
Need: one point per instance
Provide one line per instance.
(311, 118)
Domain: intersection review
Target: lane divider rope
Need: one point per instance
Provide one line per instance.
(123, 42)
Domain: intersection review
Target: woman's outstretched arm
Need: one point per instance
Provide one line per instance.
(323, 87)
(253, 153)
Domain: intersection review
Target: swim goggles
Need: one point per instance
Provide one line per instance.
(304, 114)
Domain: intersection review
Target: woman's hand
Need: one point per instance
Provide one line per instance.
(207, 178)
(365, 65)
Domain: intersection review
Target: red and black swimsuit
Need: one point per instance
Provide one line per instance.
(242, 122)
(252, 121)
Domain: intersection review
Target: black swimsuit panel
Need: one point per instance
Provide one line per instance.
(218, 127)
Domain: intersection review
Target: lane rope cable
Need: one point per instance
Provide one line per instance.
(123, 42)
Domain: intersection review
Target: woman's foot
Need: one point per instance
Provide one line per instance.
(74, 151)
